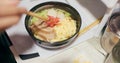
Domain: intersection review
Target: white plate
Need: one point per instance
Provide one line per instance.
(82, 53)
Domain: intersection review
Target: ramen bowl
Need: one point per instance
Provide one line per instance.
(53, 9)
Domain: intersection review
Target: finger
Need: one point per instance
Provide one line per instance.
(5, 11)
(6, 22)
(9, 2)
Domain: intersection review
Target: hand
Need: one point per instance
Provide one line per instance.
(9, 13)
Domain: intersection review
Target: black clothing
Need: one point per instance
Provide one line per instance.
(6, 55)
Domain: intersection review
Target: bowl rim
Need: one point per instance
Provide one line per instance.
(27, 18)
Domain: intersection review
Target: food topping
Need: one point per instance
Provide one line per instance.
(42, 31)
(52, 21)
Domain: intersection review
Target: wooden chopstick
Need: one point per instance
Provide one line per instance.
(35, 15)
(90, 26)
(80, 32)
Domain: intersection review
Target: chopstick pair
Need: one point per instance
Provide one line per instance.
(81, 31)
(35, 15)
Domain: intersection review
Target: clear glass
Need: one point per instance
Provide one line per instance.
(112, 33)
(108, 40)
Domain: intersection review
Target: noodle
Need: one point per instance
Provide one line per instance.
(66, 29)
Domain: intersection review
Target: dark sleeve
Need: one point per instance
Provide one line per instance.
(6, 55)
